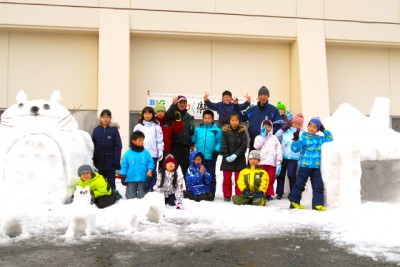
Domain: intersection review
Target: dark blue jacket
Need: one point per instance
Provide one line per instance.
(107, 148)
(257, 114)
(225, 110)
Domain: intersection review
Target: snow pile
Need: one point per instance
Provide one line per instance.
(358, 138)
(40, 150)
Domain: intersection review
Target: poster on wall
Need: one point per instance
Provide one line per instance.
(195, 103)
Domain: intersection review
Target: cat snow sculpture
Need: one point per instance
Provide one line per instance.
(40, 150)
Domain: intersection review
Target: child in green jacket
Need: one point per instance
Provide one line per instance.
(99, 188)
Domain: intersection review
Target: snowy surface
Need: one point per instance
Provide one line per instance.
(367, 227)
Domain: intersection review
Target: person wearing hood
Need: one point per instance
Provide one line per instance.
(154, 141)
(107, 147)
(258, 113)
(271, 154)
(309, 145)
(198, 180)
(181, 141)
(208, 138)
(252, 182)
(290, 158)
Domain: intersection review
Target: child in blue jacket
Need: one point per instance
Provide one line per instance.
(136, 166)
(208, 140)
(309, 145)
(198, 180)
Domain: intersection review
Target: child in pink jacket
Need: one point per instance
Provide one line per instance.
(271, 154)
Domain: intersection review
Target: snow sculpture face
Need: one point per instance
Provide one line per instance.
(40, 151)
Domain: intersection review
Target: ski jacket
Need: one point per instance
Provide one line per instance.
(208, 138)
(257, 114)
(270, 149)
(136, 164)
(107, 147)
(98, 185)
(197, 183)
(286, 141)
(234, 141)
(153, 140)
(309, 146)
(253, 179)
(168, 127)
(225, 110)
(183, 137)
(168, 188)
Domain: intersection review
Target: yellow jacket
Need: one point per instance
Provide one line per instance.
(254, 179)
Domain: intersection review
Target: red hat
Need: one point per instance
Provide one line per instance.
(170, 159)
(181, 98)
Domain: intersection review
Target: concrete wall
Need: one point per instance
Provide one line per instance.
(312, 54)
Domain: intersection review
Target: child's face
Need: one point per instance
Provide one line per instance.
(254, 162)
(160, 114)
(105, 120)
(296, 125)
(138, 142)
(234, 122)
(281, 112)
(170, 166)
(197, 160)
(269, 127)
(86, 176)
(312, 128)
(148, 116)
(207, 119)
(227, 99)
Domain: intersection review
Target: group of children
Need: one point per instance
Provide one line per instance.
(150, 142)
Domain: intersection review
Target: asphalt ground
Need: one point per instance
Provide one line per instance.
(301, 249)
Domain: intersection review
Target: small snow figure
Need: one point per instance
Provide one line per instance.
(83, 216)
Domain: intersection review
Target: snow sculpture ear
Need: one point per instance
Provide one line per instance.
(55, 96)
(21, 97)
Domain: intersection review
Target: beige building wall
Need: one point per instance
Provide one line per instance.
(193, 67)
(41, 62)
(336, 50)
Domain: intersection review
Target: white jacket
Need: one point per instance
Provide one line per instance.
(270, 149)
(153, 137)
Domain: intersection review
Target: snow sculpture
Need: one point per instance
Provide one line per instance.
(41, 149)
(359, 139)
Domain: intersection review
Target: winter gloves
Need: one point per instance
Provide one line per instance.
(160, 155)
(246, 193)
(296, 135)
(258, 194)
(286, 126)
(231, 158)
(322, 128)
(278, 169)
(263, 131)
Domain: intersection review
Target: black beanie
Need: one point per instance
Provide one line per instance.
(263, 91)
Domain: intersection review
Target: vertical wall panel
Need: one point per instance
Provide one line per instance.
(357, 75)
(43, 62)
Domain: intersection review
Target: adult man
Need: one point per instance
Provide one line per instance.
(181, 141)
(258, 113)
